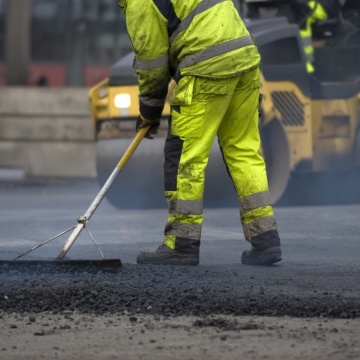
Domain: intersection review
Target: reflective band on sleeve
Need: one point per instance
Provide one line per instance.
(185, 207)
(188, 231)
(202, 6)
(151, 64)
(151, 101)
(259, 226)
(254, 201)
(215, 51)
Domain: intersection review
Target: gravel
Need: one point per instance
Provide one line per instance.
(171, 291)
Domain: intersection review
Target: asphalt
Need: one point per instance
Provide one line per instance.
(318, 277)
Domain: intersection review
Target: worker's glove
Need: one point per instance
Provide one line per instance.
(153, 129)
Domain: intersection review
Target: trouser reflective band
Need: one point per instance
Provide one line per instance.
(258, 220)
(186, 207)
(183, 236)
(259, 226)
(254, 201)
(183, 229)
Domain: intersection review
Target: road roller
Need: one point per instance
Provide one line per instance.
(310, 123)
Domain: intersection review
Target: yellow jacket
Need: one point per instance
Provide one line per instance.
(175, 38)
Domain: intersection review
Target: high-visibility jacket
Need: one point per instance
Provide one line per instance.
(317, 13)
(174, 38)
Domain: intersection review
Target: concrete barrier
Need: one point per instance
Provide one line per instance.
(47, 132)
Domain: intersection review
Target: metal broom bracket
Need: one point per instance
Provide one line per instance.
(82, 220)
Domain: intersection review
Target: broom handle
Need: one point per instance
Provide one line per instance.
(82, 221)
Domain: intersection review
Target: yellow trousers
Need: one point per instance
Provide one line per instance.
(202, 109)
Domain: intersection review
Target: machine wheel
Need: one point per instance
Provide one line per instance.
(357, 149)
(140, 184)
(276, 152)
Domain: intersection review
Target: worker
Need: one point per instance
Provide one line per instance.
(205, 46)
(307, 13)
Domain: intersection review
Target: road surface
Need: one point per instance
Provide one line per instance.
(307, 306)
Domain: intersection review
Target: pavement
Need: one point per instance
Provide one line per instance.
(35, 210)
(305, 307)
(320, 248)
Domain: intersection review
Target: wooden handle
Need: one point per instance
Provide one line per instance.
(130, 150)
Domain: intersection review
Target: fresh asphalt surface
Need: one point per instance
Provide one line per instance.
(319, 274)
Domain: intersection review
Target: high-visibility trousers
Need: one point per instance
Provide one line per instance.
(202, 108)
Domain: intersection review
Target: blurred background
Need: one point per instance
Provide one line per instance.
(51, 53)
(61, 58)
(65, 45)
(59, 42)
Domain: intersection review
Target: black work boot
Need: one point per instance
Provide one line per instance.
(166, 256)
(261, 256)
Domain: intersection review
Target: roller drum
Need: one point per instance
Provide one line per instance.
(141, 183)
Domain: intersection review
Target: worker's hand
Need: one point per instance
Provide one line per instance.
(153, 129)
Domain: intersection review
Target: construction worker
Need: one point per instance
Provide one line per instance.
(205, 46)
(308, 13)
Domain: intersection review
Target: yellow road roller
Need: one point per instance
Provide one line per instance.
(310, 124)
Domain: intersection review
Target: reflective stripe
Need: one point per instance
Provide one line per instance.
(259, 226)
(306, 41)
(146, 100)
(254, 201)
(185, 207)
(185, 23)
(151, 64)
(308, 48)
(188, 231)
(215, 51)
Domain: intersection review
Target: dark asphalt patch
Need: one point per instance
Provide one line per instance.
(171, 291)
(64, 266)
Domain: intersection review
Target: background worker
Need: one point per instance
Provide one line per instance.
(307, 13)
(206, 48)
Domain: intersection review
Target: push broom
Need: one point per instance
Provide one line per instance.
(84, 219)
(82, 222)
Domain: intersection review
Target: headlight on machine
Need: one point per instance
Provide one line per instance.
(123, 103)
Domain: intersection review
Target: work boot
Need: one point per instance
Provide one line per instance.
(166, 256)
(257, 256)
